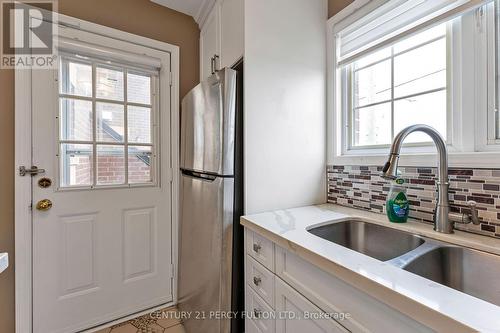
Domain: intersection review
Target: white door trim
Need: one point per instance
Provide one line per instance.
(23, 215)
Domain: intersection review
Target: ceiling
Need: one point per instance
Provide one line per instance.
(198, 9)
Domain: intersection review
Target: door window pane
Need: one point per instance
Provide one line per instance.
(372, 84)
(139, 165)
(76, 78)
(138, 89)
(110, 165)
(424, 109)
(76, 165)
(109, 84)
(139, 124)
(75, 120)
(372, 125)
(110, 122)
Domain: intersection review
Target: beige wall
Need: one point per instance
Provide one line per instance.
(335, 6)
(7, 197)
(145, 18)
(141, 17)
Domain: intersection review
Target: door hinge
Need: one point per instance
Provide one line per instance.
(171, 175)
(479, 17)
(171, 78)
(33, 171)
(172, 271)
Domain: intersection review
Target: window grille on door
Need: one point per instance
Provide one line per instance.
(107, 124)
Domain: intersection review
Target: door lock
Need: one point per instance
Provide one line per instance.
(33, 171)
(44, 182)
(44, 204)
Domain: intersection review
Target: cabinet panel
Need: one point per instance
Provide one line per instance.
(209, 43)
(251, 327)
(298, 315)
(232, 31)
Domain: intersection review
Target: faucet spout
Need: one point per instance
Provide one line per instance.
(389, 171)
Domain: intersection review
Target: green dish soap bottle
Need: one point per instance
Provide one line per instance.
(397, 203)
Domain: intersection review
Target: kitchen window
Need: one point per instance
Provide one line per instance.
(394, 63)
(107, 117)
(398, 86)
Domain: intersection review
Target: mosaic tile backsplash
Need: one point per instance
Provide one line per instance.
(362, 187)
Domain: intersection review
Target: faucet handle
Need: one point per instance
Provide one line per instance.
(473, 216)
(466, 218)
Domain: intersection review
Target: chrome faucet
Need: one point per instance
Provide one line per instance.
(442, 221)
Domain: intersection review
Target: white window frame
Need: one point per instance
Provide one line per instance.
(471, 98)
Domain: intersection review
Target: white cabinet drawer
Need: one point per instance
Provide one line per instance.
(332, 295)
(251, 327)
(261, 249)
(299, 315)
(261, 313)
(260, 280)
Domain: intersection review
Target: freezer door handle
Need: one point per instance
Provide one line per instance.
(199, 175)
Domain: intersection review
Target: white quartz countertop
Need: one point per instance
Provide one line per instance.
(288, 228)
(4, 261)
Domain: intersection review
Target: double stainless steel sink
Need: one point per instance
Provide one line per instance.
(469, 271)
(374, 240)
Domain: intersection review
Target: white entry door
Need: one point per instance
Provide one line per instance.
(102, 213)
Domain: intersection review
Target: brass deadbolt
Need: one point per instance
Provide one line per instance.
(44, 182)
(44, 205)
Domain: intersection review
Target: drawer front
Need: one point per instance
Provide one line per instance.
(251, 327)
(258, 311)
(260, 279)
(261, 249)
(332, 295)
(301, 315)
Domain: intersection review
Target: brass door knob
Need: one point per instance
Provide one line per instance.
(44, 204)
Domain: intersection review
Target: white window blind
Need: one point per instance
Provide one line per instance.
(391, 21)
(74, 46)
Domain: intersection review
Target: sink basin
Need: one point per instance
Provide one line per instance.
(373, 240)
(469, 271)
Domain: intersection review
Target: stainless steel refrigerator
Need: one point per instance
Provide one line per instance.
(210, 259)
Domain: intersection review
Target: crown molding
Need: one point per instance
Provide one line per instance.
(203, 12)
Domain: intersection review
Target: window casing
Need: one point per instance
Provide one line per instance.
(107, 124)
(471, 99)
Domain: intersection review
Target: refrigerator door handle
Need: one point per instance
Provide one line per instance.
(199, 175)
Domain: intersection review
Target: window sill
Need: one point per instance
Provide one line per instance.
(455, 159)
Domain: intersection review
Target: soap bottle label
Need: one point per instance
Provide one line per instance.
(400, 205)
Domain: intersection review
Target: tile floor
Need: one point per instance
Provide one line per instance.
(161, 321)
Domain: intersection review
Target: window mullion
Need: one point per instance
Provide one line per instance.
(350, 122)
(94, 126)
(125, 122)
(392, 93)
